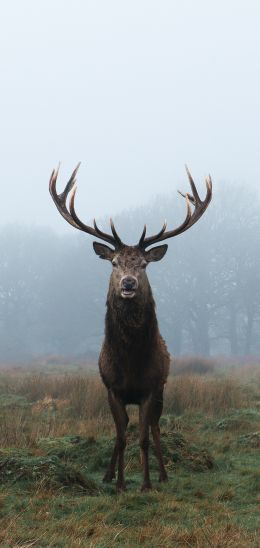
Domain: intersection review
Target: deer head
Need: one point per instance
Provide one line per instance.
(129, 262)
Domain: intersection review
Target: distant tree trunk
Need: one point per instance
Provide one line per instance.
(203, 332)
(199, 324)
(177, 338)
(233, 329)
(248, 334)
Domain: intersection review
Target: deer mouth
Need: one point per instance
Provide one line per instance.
(129, 285)
(128, 293)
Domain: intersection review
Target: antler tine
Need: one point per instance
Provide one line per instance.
(97, 228)
(209, 187)
(70, 215)
(190, 197)
(142, 237)
(114, 232)
(53, 180)
(193, 187)
(116, 240)
(73, 213)
(162, 230)
(60, 199)
(143, 242)
(191, 217)
(71, 183)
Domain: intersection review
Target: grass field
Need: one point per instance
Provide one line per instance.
(56, 437)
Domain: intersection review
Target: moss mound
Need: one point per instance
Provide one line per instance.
(180, 452)
(240, 419)
(94, 454)
(47, 471)
(177, 451)
(91, 453)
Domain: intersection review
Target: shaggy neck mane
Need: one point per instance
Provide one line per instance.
(133, 321)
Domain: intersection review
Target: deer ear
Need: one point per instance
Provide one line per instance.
(103, 251)
(156, 253)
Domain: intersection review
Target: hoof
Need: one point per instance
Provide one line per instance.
(146, 486)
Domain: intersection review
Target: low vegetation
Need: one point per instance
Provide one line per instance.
(56, 436)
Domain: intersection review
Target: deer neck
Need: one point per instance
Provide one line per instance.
(131, 320)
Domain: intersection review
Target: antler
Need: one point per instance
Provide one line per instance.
(70, 214)
(191, 217)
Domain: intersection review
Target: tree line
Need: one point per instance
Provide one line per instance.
(207, 288)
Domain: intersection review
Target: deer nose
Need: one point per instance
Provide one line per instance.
(129, 283)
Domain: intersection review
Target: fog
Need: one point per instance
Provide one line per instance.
(207, 288)
(134, 91)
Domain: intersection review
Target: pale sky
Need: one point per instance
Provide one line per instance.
(132, 89)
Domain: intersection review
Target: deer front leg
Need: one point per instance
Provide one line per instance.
(111, 471)
(121, 420)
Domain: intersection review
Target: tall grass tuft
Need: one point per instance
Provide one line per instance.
(214, 395)
(34, 406)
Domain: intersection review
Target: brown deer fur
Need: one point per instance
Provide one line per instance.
(134, 362)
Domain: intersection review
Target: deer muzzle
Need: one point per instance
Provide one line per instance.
(129, 285)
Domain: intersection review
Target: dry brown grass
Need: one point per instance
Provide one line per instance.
(206, 536)
(85, 394)
(213, 395)
(54, 405)
(84, 531)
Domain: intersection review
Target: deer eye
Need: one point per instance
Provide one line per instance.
(143, 264)
(114, 262)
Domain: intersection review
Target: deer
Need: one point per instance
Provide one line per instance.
(134, 361)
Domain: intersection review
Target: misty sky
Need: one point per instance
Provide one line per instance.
(132, 89)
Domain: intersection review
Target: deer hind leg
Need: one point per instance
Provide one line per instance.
(144, 416)
(121, 420)
(155, 416)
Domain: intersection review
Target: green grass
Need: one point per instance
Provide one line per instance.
(52, 493)
(56, 497)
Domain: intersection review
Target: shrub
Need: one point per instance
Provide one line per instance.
(199, 365)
